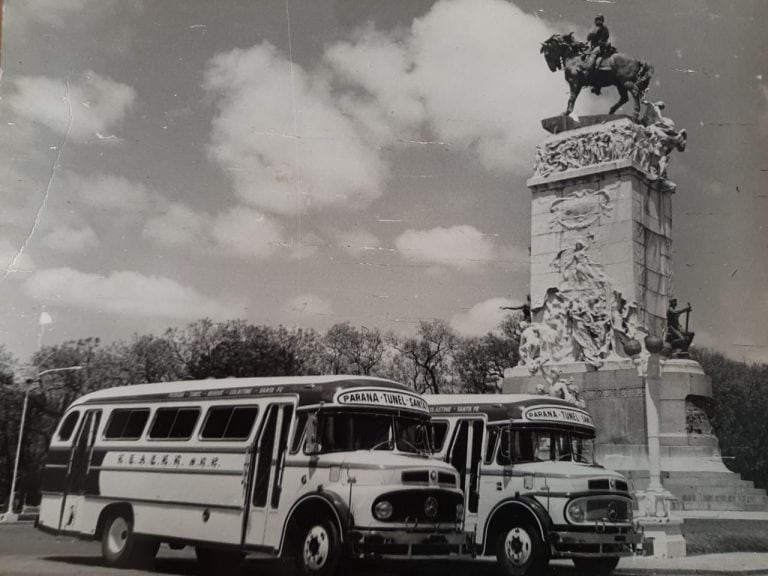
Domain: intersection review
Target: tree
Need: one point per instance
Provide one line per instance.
(737, 412)
(427, 358)
(480, 362)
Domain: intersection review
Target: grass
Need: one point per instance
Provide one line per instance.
(719, 536)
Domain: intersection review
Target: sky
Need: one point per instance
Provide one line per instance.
(316, 161)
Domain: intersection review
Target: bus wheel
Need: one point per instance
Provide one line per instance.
(119, 545)
(520, 550)
(596, 566)
(213, 561)
(319, 549)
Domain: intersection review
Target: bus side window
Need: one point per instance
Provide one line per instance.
(504, 456)
(126, 424)
(439, 430)
(68, 426)
(298, 431)
(490, 448)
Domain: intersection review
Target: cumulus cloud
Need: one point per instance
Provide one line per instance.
(178, 225)
(310, 305)
(460, 247)
(245, 232)
(109, 192)
(124, 292)
(482, 318)
(96, 103)
(466, 69)
(281, 137)
(68, 239)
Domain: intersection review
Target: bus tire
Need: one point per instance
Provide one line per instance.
(596, 566)
(319, 549)
(215, 561)
(520, 550)
(119, 545)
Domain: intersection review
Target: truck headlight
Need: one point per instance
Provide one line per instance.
(459, 512)
(575, 512)
(383, 510)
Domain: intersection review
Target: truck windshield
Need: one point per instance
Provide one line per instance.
(526, 445)
(350, 431)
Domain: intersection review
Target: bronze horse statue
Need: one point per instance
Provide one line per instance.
(626, 74)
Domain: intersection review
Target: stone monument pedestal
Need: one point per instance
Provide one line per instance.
(614, 396)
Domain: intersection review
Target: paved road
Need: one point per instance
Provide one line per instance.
(26, 551)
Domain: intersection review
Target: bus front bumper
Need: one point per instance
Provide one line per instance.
(595, 544)
(401, 544)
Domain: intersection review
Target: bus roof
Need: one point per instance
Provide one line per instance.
(523, 408)
(311, 390)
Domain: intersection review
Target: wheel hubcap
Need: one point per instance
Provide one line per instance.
(517, 546)
(118, 535)
(316, 546)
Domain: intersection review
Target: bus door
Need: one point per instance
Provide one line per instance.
(77, 472)
(465, 454)
(263, 526)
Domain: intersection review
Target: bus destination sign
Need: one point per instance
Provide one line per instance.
(559, 414)
(381, 397)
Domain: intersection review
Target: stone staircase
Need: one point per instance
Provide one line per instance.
(711, 491)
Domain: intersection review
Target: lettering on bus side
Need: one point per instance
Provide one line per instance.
(558, 414)
(166, 460)
(381, 397)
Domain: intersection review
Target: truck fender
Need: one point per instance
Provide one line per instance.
(324, 500)
(527, 506)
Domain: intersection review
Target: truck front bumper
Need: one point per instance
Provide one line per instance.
(595, 544)
(402, 544)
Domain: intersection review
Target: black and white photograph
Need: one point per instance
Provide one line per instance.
(383, 287)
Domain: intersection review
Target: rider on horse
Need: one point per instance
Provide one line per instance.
(598, 46)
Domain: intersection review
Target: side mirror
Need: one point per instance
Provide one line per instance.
(311, 445)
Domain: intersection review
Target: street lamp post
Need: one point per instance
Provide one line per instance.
(10, 515)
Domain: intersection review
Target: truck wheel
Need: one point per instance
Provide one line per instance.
(596, 566)
(119, 545)
(520, 550)
(319, 549)
(215, 561)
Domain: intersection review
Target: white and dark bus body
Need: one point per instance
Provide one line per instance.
(533, 490)
(310, 468)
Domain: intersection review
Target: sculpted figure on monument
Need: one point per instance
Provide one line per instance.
(537, 342)
(599, 47)
(580, 62)
(577, 270)
(524, 308)
(679, 338)
(664, 138)
(590, 323)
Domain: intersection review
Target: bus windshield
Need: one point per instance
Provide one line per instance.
(350, 431)
(526, 445)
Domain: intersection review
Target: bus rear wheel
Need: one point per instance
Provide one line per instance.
(520, 550)
(319, 549)
(119, 545)
(596, 566)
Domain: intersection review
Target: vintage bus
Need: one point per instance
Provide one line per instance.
(313, 469)
(533, 490)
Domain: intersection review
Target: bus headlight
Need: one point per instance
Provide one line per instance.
(383, 510)
(459, 512)
(575, 512)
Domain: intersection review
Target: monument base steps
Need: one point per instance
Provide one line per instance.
(714, 491)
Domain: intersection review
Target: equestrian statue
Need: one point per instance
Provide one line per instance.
(597, 64)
